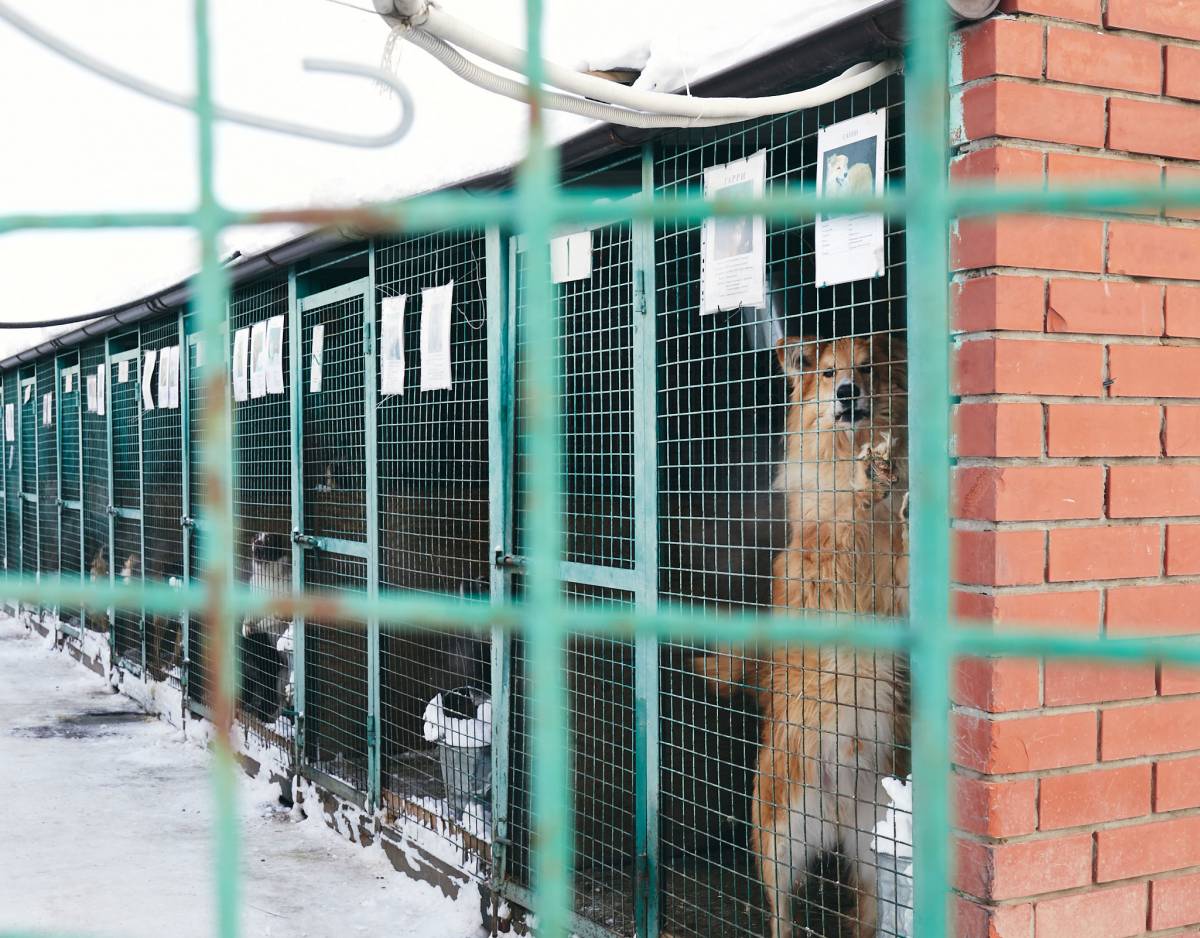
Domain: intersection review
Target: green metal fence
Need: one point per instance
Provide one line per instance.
(600, 474)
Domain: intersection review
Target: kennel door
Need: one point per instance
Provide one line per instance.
(70, 482)
(333, 434)
(30, 416)
(601, 394)
(125, 507)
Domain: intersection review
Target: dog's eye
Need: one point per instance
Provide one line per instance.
(827, 373)
(864, 369)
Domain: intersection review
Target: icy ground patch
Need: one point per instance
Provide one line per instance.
(106, 828)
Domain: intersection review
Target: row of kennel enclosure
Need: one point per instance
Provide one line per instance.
(347, 479)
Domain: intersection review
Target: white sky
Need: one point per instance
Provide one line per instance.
(77, 143)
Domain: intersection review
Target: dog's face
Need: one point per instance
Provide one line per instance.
(270, 547)
(845, 379)
(837, 168)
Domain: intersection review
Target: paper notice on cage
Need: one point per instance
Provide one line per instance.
(10, 422)
(164, 378)
(275, 355)
(734, 250)
(122, 371)
(258, 360)
(28, 391)
(436, 303)
(316, 367)
(67, 382)
(101, 388)
(391, 346)
(48, 409)
(850, 161)
(241, 349)
(91, 394)
(148, 360)
(175, 352)
(571, 257)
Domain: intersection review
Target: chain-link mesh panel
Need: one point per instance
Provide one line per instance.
(95, 479)
(433, 511)
(70, 483)
(601, 719)
(162, 506)
(765, 501)
(126, 421)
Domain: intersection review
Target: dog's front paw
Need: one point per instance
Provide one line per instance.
(878, 466)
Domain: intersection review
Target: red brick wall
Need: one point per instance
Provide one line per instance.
(1078, 483)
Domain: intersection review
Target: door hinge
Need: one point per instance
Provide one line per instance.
(639, 292)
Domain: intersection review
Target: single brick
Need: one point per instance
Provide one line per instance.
(1154, 127)
(1073, 612)
(1154, 371)
(997, 685)
(1177, 174)
(1177, 784)
(1073, 682)
(1045, 242)
(1142, 250)
(998, 165)
(1028, 366)
(1005, 108)
(1025, 744)
(1178, 679)
(1084, 11)
(1014, 870)
(1000, 47)
(1124, 852)
(1080, 57)
(999, 302)
(986, 429)
(1183, 72)
(1104, 553)
(1175, 902)
(1103, 430)
(1153, 491)
(1150, 729)
(1183, 310)
(1113, 307)
(973, 920)
(999, 558)
(1183, 548)
(1098, 913)
(1179, 18)
(1163, 609)
(1094, 797)
(1066, 169)
(1030, 493)
(997, 809)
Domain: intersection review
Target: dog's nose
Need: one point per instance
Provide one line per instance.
(847, 390)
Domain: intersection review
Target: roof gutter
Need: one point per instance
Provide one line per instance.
(875, 32)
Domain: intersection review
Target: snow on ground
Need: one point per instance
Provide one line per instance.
(106, 820)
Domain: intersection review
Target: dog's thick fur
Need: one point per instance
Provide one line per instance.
(834, 721)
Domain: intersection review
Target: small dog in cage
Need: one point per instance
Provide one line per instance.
(834, 721)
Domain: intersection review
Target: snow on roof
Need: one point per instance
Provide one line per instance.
(86, 145)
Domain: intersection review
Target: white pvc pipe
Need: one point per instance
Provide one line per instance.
(862, 77)
(454, 31)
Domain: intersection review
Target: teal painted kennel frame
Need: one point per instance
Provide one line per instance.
(543, 619)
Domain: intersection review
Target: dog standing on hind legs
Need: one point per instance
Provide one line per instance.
(834, 720)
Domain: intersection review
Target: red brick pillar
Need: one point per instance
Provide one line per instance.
(1078, 484)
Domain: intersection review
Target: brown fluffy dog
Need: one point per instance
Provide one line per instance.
(834, 720)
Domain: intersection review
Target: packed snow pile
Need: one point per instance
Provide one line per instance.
(893, 850)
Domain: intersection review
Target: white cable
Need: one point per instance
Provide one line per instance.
(436, 21)
(862, 77)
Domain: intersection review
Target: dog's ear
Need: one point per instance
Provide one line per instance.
(796, 355)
